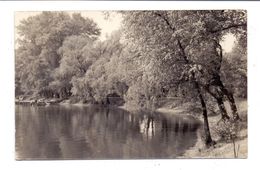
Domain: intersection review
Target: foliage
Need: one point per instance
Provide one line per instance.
(227, 130)
(40, 37)
(157, 54)
(180, 47)
(104, 76)
(234, 71)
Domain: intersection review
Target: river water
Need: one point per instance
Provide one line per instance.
(94, 132)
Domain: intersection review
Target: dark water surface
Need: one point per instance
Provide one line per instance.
(94, 132)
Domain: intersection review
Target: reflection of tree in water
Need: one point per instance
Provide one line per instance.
(147, 126)
(57, 132)
(165, 129)
(49, 135)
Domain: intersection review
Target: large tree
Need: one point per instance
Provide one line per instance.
(184, 45)
(105, 76)
(40, 37)
(76, 57)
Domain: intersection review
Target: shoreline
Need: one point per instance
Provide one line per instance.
(222, 149)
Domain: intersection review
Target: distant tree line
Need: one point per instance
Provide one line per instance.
(154, 56)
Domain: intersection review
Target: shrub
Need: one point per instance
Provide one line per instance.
(228, 130)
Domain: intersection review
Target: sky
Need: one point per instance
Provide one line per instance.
(113, 23)
(228, 42)
(107, 25)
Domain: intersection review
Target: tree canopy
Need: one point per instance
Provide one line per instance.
(40, 38)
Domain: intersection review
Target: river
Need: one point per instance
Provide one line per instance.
(95, 132)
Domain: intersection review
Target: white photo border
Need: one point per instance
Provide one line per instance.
(7, 125)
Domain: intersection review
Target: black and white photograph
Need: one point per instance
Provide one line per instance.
(130, 84)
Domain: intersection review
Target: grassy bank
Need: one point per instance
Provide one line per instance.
(222, 149)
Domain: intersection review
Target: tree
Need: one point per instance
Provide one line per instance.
(104, 76)
(186, 44)
(234, 70)
(40, 37)
(76, 58)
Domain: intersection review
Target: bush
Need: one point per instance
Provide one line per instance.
(228, 130)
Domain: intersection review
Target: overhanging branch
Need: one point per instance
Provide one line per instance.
(228, 27)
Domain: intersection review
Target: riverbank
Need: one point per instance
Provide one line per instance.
(37, 101)
(222, 149)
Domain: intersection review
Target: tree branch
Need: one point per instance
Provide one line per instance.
(178, 40)
(166, 20)
(183, 52)
(219, 53)
(228, 27)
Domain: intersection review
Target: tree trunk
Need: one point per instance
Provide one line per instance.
(208, 139)
(232, 104)
(224, 115)
(223, 89)
(221, 106)
(217, 82)
(231, 101)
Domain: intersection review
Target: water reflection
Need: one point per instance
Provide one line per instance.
(73, 132)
